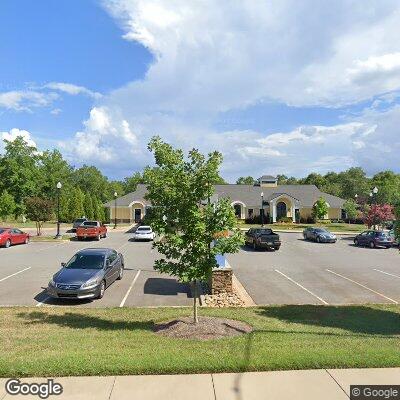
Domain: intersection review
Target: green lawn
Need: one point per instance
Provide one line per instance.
(49, 238)
(71, 341)
(333, 227)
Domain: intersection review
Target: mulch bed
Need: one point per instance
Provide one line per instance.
(206, 329)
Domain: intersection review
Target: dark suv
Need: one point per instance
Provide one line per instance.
(262, 238)
(373, 239)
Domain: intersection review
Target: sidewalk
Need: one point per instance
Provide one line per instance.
(320, 384)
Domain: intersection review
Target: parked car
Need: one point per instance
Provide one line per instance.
(393, 237)
(78, 222)
(373, 239)
(10, 236)
(144, 232)
(87, 274)
(319, 235)
(263, 238)
(91, 230)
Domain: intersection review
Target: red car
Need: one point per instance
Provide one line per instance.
(91, 230)
(9, 236)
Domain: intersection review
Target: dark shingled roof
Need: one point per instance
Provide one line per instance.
(250, 195)
(268, 178)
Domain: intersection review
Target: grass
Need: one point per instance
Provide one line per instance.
(48, 238)
(70, 341)
(333, 227)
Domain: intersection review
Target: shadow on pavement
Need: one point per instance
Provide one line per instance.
(44, 298)
(83, 321)
(166, 287)
(357, 319)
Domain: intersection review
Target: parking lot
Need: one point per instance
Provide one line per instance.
(303, 272)
(299, 273)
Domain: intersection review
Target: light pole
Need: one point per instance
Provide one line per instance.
(262, 209)
(373, 194)
(58, 186)
(115, 209)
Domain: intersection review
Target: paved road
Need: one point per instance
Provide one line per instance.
(25, 270)
(299, 273)
(304, 272)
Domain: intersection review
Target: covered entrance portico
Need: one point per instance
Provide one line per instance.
(283, 205)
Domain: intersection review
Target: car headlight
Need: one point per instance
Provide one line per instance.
(89, 284)
(52, 283)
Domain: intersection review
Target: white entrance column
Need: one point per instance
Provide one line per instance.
(273, 203)
(293, 212)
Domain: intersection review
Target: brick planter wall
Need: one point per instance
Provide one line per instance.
(221, 281)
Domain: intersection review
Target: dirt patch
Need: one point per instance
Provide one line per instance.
(206, 329)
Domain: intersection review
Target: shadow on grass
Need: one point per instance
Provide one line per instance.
(81, 321)
(357, 318)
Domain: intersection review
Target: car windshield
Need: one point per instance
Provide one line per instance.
(144, 228)
(90, 223)
(381, 234)
(264, 231)
(86, 261)
(2, 231)
(320, 230)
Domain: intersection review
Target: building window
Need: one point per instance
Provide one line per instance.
(251, 213)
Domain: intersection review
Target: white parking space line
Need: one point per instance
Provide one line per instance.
(363, 286)
(130, 288)
(386, 273)
(301, 286)
(16, 273)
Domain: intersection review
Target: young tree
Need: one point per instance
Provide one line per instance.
(378, 214)
(39, 210)
(76, 209)
(245, 180)
(350, 208)
(7, 205)
(180, 191)
(320, 208)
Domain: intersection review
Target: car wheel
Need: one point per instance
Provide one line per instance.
(121, 273)
(356, 242)
(305, 237)
(98, 237)
(26, 240)
(277, 248)
(254, 246)
(371, 245)
(8, 244)
(102, 289)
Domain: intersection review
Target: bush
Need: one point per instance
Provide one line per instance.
(324, 221)
(285, 220)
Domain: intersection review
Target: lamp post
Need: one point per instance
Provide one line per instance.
(262, 209)
(58, 186)
(373, 194)
(115, 209)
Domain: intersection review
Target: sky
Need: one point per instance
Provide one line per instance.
(278, 86)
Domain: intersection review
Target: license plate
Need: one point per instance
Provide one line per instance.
(270, 243)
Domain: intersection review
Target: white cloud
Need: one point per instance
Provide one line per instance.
(217, 56)
(25, 100)
(105, 141)
(15, 133)
(71, 89)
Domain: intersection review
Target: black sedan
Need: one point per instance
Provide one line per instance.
(87, 274)
(373, 239)
(319, 235)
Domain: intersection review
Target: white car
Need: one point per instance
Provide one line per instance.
(144, 233)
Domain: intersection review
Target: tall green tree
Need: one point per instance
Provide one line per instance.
(350, 208)
(88, 206)
(19, 172)
(76, 209)
(388, 184)
(245, 180)
(130, 183)
(7, 205)
(180, 189)
(89, 178)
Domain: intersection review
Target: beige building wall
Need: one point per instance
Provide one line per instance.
(335, 213)
(121, 213)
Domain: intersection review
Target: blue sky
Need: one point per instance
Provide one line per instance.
(277, 86)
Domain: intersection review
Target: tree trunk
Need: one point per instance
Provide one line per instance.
(195, 317)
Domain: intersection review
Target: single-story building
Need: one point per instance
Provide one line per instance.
(277, 202)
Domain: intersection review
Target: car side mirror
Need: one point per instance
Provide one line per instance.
(108, 264)
(63, 264)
